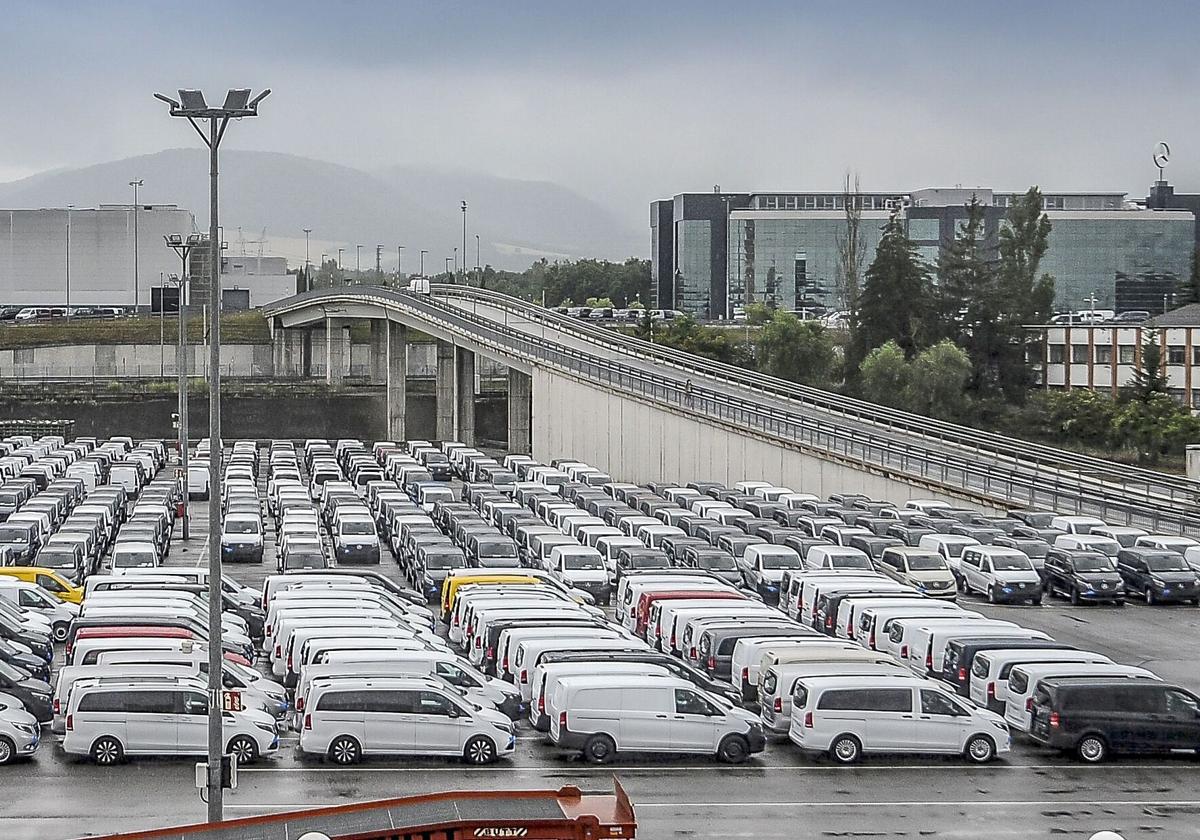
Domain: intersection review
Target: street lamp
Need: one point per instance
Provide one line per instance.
(478, 267)
(183, 247)
(307, 265)
(357, 261)
(464, 242)
(192, 107)
(423, 253)
(135, 184)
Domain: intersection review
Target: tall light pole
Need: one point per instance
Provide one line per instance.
(70, 207)
(423, 253)
(192, 107)
(454, 277)
(399, 262)
(449, 273)
(379, 264)
(357, 261)
(464, 242)
(135, 184)
(307, 262)
(183, 247)
(478, 267)
(340, 258)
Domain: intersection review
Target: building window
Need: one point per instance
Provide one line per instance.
(1196, 398)
(1196, 355)
(1079, 354)
(1126, 354)
(1056, 354)
(924, 229)
(1176, 355)
(1179, 395)
(1103, 354)
(23, 356)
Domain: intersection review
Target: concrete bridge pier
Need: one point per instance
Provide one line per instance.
(444, 391)
(395, 366)
(378, 356)
(337, 350)
(464, 396)
(288, 352)
(520, 412)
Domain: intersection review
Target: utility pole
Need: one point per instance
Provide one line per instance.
(135, 184)
(192, 107)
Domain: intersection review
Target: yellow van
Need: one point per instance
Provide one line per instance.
(454, 580)
(48, 579)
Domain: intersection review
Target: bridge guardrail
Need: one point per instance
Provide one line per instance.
(1157, 486)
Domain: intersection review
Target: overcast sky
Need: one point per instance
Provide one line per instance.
(629, 101)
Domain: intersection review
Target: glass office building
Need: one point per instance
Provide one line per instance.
(715, 252)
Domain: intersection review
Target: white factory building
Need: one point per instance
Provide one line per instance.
(85, 257)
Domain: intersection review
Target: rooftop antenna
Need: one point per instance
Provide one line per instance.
(1162, 156)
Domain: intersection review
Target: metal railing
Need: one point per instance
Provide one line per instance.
(908, 456)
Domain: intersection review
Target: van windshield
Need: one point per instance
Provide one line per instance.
(584, 562)
(780, 561)
(1011, 563)
(849, 561)
(357, 527)
(15, 536)
(443, 561)
(716, 562)
(241, 526)
(1093, 563)
(1168, 561)
(926, 563)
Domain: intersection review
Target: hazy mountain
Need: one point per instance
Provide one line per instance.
(517, 221)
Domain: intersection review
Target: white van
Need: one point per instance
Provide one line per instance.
(348, 718)
(748, 653)
(950, 546)
(927, 643)
(546, 676)
(530, 652)
(631, 587)
(1023, 681)
(134, 555)
(926, 570)
(990, 670)
(1125, 535)
(111, 720)
(895, 636)
(1077, 524)
(779, 681)
(31, 597)
(873, 620)
(1001, 574)
(600, 716)
(581, 567)
(837, 557)
(847, 716)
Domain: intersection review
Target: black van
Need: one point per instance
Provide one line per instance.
(960, 656)
(1096, 717)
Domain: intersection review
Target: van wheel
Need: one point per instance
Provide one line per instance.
(1075, 596)
(8, 751)
(107, 751)
(1150, 599)
(599, 749)
(734, 749)
(845, 749)
(991, 593)
(980, 749)
(480, 750)
(60, 632)
(244, 748)
(1092, 749)
(345, 750)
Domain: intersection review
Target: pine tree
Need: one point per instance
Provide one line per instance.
(896, 299)
(1149, 377)
(1025, 296)
(969, 296)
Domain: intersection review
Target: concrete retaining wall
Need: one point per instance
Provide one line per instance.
(634, 441)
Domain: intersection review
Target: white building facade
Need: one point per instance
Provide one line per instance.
(85, 256)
